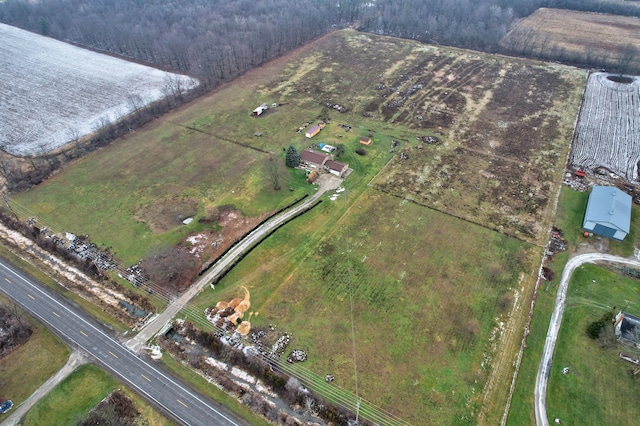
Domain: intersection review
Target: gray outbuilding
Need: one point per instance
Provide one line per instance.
(608, 213)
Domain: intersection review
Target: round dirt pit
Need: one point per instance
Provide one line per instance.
(620, 79)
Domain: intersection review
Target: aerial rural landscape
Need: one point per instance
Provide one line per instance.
(370, 223)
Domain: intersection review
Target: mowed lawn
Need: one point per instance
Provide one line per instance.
(73, 398)
(428, 292)
(599, 388)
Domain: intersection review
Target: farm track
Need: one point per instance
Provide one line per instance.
(544, 369)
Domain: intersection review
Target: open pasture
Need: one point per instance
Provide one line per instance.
(569, 32)
(53, 92)
(608, 129)
(428, 286)
(428, 309)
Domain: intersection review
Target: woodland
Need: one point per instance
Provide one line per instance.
(218, 40)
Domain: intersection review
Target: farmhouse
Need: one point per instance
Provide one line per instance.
(337, 168)
(313, 131)
(320, 160)
(608, 213)
(627, 328)
(314, 159)
(366, 141)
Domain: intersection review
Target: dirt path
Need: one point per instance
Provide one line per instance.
(76, 359)
(325, 183)
(540, 398)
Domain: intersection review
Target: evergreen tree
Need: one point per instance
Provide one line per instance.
(292, 158)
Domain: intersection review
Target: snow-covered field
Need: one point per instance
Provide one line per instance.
(49, 87)
(608, 129)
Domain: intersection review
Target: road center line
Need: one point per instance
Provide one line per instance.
(182, 403)
(83, 333)
(114, 355)
(32, 298)
(145, 377)
(56, 314)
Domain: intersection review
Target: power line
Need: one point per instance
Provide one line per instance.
(334, 393)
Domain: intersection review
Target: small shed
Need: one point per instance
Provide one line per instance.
(366, 141)
(337, 168)
(608, 213)
(312, 131)
(627, 328)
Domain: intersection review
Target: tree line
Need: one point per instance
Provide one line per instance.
(217, 40)
(212, 40)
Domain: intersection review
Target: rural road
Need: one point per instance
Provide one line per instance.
(540, 394)
(80, 330)
(138, 342)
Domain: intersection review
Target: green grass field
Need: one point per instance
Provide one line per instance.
(569, 217)
(429, 289)
(71, 400)
(599, 389)
(425, 304)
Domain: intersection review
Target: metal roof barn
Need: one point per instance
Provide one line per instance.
(608, 213)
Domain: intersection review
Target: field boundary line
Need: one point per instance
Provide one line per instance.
(195, 129)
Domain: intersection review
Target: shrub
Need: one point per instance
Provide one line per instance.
(595, 328)
(361, 151)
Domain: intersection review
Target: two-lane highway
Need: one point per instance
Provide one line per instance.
(78, 328)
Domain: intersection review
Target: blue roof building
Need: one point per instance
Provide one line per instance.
(608, 213)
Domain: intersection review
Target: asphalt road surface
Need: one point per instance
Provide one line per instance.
(79, 329)
(540, 397)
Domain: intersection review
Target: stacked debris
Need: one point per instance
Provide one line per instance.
(297, 355)
(557, 243)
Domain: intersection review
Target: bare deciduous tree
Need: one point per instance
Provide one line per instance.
(274, 170)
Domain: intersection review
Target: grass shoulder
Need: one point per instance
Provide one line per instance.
(72, 399)
(30, 365)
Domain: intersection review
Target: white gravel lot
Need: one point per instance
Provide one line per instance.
(48, 87)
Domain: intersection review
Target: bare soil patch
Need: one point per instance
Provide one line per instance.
(504, 145)
(164, 215)
(209, 244)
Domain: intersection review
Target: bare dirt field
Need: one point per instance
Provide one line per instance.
(49, 87)
(608, 131)
(484, 136)
(599, 34)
